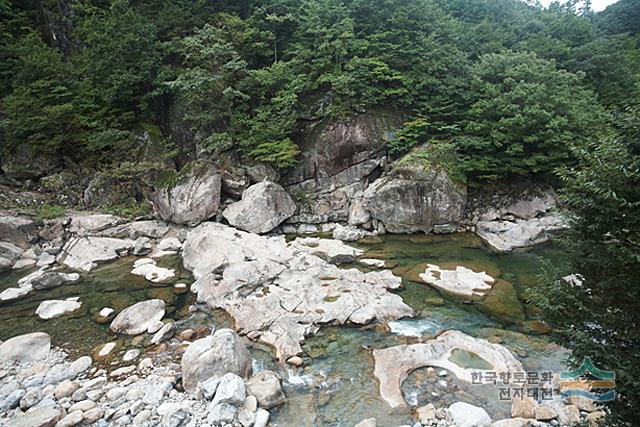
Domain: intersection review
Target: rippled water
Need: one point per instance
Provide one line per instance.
(336, 386)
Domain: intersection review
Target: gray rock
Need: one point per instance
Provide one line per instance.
(18, 231)
(266, 387)
(231, 390)
(154, 395)
(13, 400)
(58, 374)
(262, 418)
(214, 356)
(92, 415)
(466, 415)
(506, 236)
(193, 198)
(137, 318)
(369, 422)
(10, 251)
(81, 364)
(85, 253)
(71, 419)
(209, 387)
(51, 309)
(40, 416)
(64, 389)
(164, 333)
(143, 246)
(221, 413)
(263, 207)
(31, 398)
(54, 279)
(409, 200)
(246, 417)
(26, 348)
(348, 233)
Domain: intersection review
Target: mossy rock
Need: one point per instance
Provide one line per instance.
(502, 303)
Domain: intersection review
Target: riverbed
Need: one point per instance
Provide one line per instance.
(336, 385)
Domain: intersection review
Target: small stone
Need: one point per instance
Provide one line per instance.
(81, 364)
(116, 393)
(266, 387)
(295, 361)
(92, 415)
(106, 349)
(231, 389)
(164, 333)
(94, 395)
(131, 355)
(156, 393)
(65, 389)
(142, 417)
(250, 403)
(595, 419)
(79, 394)
(246, 417)
(209, 387)
(187, 334)
(72, 419)
(125, 370)
(146, 363)
(82, 406)
(262, 418)
(221, 413)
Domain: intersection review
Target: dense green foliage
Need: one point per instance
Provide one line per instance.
(599, 317)
(512, 86)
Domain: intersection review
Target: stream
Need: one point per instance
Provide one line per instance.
(336, 386)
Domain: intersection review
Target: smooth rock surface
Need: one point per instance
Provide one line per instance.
(51, 309)
(263, 207)
(137, 318)
(26, 348)
(461, 282)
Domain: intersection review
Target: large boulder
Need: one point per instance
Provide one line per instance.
(263, 207)
(413, 199)
(507, 236)
(138, 318)
(460, 282)
(26, 348)
(84, 253)
(18, 231)
(214, 356)
(190, 197)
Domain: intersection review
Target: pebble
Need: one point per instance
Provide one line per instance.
(106, 349)
(81, 364)
(131, 355)
(72, 419)
(92, 415)
(65, 389)
(83, 406)
(122, 371)
(262, 418)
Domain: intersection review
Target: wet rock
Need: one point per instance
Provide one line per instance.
(11, 294)
(54, 279)
(147, 267)
(51, 309)
(378, 263)
(392, 365)
(85, 253)
(26, 348)
(263, 207)
(164, 333)
(137, 318)
(502, 303)
(266, 387)
(281, 291)
(214, 356)
(506, 236)
(10, 252)
(461, 282)
(193, 197)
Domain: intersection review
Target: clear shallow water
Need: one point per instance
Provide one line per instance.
(336, 386)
